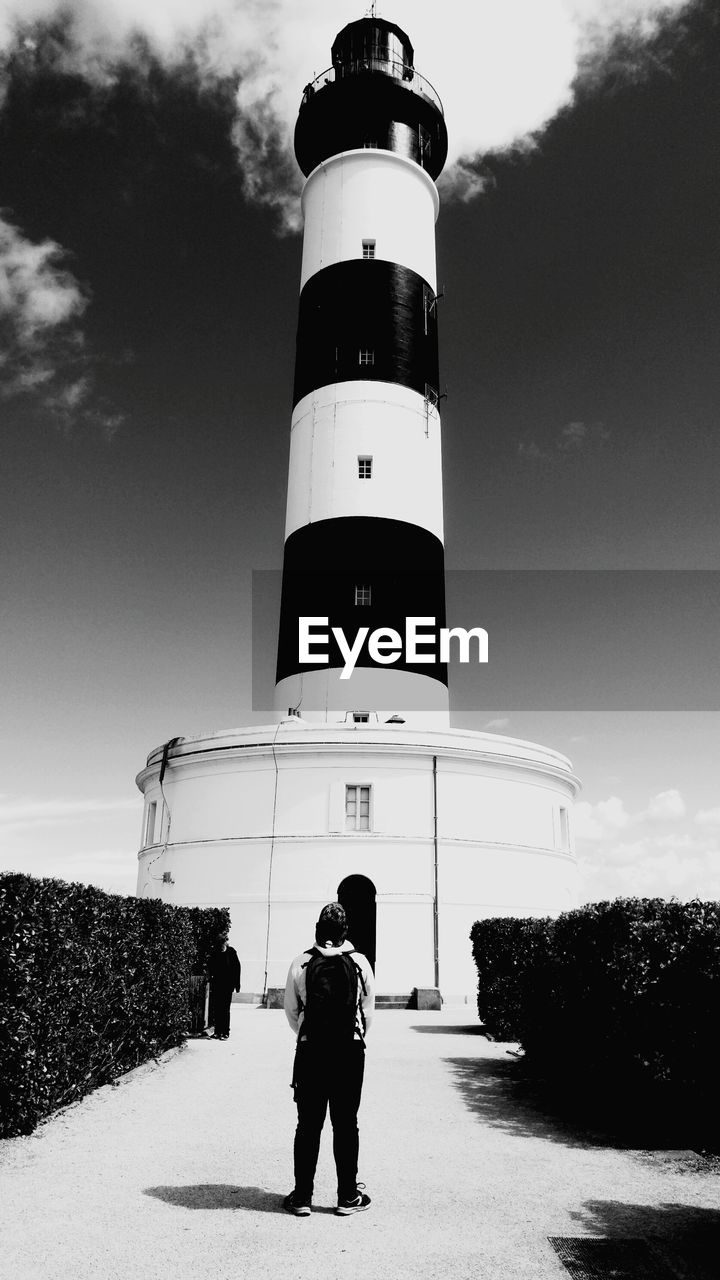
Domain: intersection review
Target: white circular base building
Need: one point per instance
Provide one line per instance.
(418, 832)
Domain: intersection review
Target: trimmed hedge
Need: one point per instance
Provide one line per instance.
(91, 985)
(615, 996)
(507, 951)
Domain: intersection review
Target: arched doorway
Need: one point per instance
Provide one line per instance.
(357, 895)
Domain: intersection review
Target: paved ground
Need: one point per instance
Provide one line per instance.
(179, 1170)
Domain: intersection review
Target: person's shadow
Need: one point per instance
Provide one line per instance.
(218, 1195)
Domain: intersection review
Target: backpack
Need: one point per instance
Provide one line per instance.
(332, 997)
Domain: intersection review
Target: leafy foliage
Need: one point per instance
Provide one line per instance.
(507, 952)
(618, 998)
(91, 985)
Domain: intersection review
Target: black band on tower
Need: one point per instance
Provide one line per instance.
(372, 320)
(401, 565)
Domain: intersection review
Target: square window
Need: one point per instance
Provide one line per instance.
(363, 595)
(368, 248)
(361, 717)
(366, 356)
(357, 808)
(365, 468)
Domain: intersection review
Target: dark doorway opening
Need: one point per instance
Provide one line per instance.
(357, 895)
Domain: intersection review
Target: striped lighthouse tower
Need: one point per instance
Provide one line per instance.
(364, 561)
(364, 792)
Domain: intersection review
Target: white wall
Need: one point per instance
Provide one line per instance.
(334, 425)
(369, 194)
(496, 848)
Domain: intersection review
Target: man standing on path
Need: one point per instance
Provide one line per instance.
(224, 971)
(329, 1002)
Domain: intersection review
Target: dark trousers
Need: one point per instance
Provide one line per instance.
(219, 1008)
(325, 1079)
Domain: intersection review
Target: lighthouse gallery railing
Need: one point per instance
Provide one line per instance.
(407, 76)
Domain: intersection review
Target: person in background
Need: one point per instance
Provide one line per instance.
(224, 973)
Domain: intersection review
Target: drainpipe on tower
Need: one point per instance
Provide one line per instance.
(436, 932)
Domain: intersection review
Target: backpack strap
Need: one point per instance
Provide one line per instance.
(311, 951)
(360, 1010)
(359, 970)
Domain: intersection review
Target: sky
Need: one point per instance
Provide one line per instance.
(149, 272)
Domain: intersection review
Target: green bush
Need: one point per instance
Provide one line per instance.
(91, 985)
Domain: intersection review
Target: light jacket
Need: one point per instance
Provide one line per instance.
(295, 988)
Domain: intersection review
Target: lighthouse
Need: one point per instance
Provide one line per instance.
(360, 789)
(364, 526)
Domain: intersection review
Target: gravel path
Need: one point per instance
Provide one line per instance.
(178, 1171)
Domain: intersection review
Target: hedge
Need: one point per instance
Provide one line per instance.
(91, 985)
(508, 952)
(615, 996)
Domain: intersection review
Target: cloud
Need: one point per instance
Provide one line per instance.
(708, 818)
(40, 305)
(42, 345)
(529, 449)
(503, 70)
(601, 820)
(501, 722)
(642, 869)
(573, 438)
(576, 436)
(668, 806)
(659, 859)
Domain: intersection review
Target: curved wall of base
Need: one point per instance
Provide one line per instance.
(420, 832)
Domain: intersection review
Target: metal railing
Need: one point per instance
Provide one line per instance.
(407, 76)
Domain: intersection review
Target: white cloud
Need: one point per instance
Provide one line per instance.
(708, 818)
(667, 806)
(640, 869)
(42, 351)
(41, 304)
(660, 859)
(573, 438)
(502, 70)
(601, 820)
(37, 292)
(578, 436)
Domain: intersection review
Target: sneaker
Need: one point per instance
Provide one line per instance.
(300, 1208)
(356, 1204)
